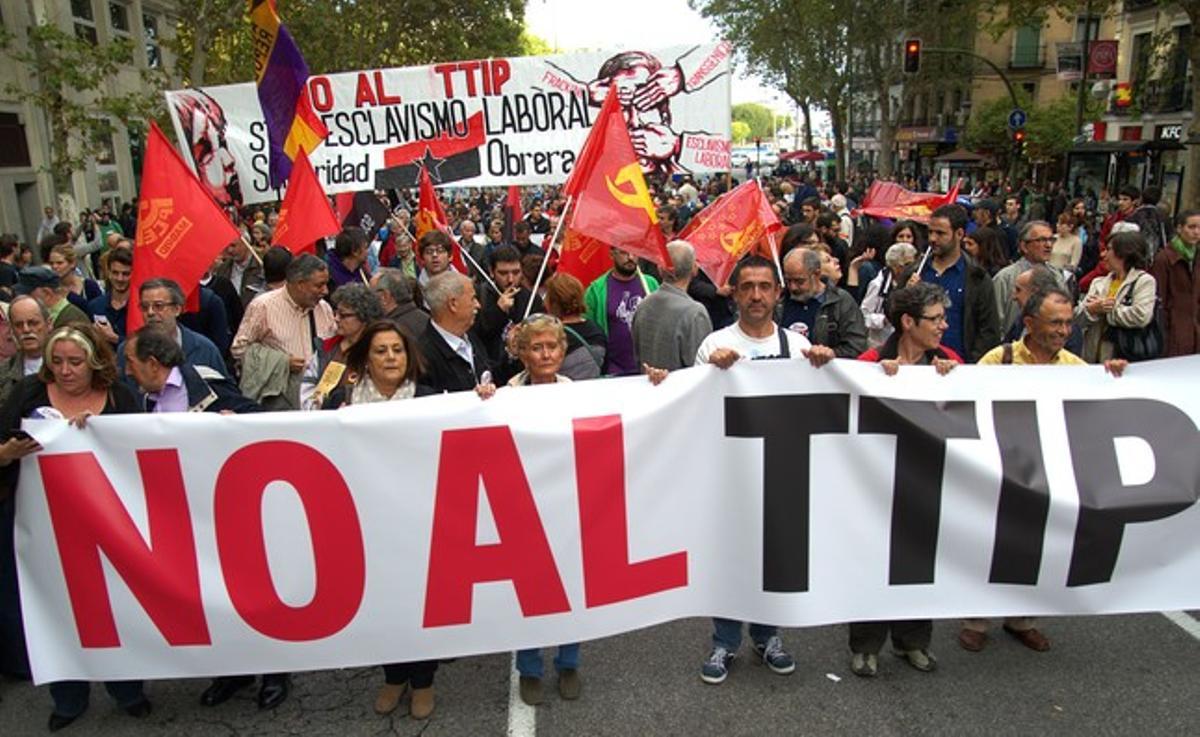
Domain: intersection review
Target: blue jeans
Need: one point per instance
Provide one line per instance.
(529, 662)
(727, 633)
(71, 697)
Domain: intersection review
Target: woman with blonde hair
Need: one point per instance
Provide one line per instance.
(80, 290)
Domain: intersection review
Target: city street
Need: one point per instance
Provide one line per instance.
(1118, 675)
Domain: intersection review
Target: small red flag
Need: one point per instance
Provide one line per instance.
(737, 223)
(890, 200)
(512, 211)
(431, 216)
(612, 202)
(180, 229)
(583, 257)
(305, 215)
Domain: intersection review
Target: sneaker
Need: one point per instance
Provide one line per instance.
(922, 660)
(716, 668)
(773, 654)
(865, 665)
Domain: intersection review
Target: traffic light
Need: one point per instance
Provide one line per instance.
(912, 56)
(1018, 138)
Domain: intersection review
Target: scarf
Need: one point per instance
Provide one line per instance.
(365, 392)
(1183, 249)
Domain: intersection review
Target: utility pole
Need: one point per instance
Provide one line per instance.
(1083, 72)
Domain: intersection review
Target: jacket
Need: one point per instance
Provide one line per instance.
(595, 299)
(981, 326)
(12, 370)
(668, 328)
(839, 323)
(1179, 293)
(267, 378)
(253, 281)
(445, 370)
(209, 391)
(1097, 347)
(197, 351)
(410, 317)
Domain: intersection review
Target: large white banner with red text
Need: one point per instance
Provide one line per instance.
(489, 122)
(187, 545)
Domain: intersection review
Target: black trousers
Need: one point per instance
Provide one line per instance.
(418, 674)
(908, 634)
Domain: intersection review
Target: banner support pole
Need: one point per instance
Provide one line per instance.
(542, 271)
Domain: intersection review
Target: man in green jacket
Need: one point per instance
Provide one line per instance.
(611, 301)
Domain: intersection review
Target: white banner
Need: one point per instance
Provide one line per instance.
(449, 526)
(476, 123)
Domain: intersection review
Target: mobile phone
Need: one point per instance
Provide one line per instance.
(100, 320)
(17, 434)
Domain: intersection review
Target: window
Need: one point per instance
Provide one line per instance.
(1030, 89)
(14, 147)
(118, 14)
(85, 20)
(1139, 59)
(1091, 23)
(153, 53)
(1027, 47)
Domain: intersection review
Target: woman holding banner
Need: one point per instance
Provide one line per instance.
(383, 365)
(78, 379)
(918, 314)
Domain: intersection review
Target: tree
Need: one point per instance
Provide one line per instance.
(345, 35)
(759, 118)
(70, 83)
(740, 130)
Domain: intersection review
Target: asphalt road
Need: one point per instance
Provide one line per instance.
(1118, 675)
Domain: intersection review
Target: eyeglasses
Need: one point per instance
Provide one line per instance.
(346, 315)
(434, 250)
(1046, 239)
(156, 306)
(933, 318)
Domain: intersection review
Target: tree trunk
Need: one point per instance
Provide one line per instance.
(837, 119)
(199, 56)
(806, 110)
(887, 132)
(1191, 174)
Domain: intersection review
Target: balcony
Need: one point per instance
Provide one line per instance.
(1131, 6)
(1028, 56)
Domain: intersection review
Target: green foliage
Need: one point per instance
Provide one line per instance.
(1049, 132)
(759, 118)
(346, 35)
(740, 130)
(70, 83)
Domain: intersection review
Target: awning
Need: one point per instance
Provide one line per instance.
(1124, 147)
(802, 156)
(963, 156)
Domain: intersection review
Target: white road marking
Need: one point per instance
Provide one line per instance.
(522, 718)
(1186, 622)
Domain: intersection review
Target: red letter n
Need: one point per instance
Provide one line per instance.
(608, 575)
(88, 517)
(456, 562)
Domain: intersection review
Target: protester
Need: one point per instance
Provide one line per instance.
(434, 250)
(612, 299)
(498, 313)
(348, 258)
(819, 310)
(161, 302)
(755, 336)
(110, 310)
(586, 342)
(170, 384)
(281, 332)
(454, 358)
(386, 367)
(1152, 222)
(899, 258)
(275, 265)
(919, 315)
(972, 315)
(41, 283)
(78, 379)
(985, 247)
(908, 231)
(394, 288)
(1034, 279)
(1174, 271)
(30, 323)
(243, 269)
(669, 325)
(354, 307)
(1125, 298)
(1127, 199)
(80, 290)
(1036, 242)
(1068, 246)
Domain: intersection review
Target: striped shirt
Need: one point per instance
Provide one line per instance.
(275, 320)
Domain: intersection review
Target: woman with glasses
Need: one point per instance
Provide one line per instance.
(354, 307)
(919, 316)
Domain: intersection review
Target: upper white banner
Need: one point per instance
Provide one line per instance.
(448, 526)
(475, 123)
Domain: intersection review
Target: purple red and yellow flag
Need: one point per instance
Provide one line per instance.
(282, 78)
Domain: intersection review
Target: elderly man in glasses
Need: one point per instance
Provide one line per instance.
(1035, 242)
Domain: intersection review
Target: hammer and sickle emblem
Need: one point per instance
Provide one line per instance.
(639, 198)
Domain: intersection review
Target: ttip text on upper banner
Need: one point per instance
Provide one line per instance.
(187, 545)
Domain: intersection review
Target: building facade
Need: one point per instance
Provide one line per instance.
(26, 186)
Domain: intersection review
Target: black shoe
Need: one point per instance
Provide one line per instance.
(222, 689)
(274, 691)
(140, 709)
(58, 721)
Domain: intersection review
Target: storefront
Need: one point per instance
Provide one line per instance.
(1097, 165)
(920, 145)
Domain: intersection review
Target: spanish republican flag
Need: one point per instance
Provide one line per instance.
(180, 229)
(306, 215)
(282, 77)
(612, 203)
(739, 222)
(431, 216)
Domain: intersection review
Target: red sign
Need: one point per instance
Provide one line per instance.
(1102, 59)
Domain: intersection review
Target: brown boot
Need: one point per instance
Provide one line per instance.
(422, 703)
(389, 697)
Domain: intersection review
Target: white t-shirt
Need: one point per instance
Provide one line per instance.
(749, 348)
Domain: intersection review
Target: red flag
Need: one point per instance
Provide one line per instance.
(738, 222)
(890, 200)
(180, 229)
(583, 257)
(306, 215)
(431, 216)
(512, 211)
(612, 202)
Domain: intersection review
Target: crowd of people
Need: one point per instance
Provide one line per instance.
(385, 316)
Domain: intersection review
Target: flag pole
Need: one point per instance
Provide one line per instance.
(253, 252)
(546, 260)
(467, 254)
(775, 254)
